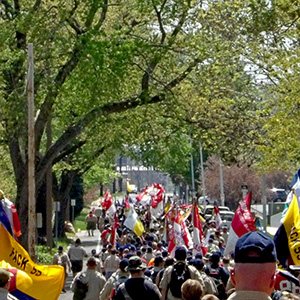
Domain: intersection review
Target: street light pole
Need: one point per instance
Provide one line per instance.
(202, 173)
(222, 195)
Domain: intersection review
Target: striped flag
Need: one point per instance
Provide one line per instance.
(287, 237)
(242, 223)
(198, 236)
(133, 222)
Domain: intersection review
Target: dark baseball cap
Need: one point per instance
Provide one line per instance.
(180, 253)
(255, 247)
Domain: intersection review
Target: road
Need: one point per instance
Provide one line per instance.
(89, 243)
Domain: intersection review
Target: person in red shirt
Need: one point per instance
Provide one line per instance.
(105, 235)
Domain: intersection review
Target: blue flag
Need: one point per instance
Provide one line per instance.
(4, 219)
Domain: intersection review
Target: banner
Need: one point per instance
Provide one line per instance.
(46, 281)
(287, 237)
(241, 224)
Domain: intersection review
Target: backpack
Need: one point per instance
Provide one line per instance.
(153, 275)
(119, 280)
(80, 288)
(180, 273)
(124, 291)
(214, 274)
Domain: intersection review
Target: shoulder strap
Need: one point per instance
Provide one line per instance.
(124, 292)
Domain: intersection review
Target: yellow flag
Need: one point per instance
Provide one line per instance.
(46, 281)
(291, 224)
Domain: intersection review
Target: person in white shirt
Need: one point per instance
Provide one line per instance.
(76, 254)
(111, 263)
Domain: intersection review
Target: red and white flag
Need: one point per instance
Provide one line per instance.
(241, 224)
(157, 194)
(217, 217)
(108, 205)
(198, 236)
(176, 237)
(142, 194)
(153, 192)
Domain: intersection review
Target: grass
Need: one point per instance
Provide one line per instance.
(45, 254)
(80, 219)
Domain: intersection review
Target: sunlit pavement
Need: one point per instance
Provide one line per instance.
(89, 243)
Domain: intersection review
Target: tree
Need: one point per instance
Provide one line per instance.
(97, 60)
(236, 175)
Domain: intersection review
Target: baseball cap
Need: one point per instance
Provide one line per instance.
(5, 275)
(123, 263)
(135, 264)
(255, 247)
(180, 253)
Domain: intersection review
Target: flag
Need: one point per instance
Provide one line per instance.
(287, 237)
(156, 194)
(153, 192)
(108, 204)
(133, 222)
(11, 214)
(126, 205)
(175, 238)
(242, 223)
(295, 190)
(114, 227)
(217, 217)
(198, 235)
(41, 282)
(186, 236)
(158, 210)
(142, 194)
(4, 219)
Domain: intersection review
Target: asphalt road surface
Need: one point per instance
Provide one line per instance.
(89, 243)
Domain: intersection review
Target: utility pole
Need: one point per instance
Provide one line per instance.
(192, 173)
(202, 173)
(222, 195)
(264, 200)
(31, 156)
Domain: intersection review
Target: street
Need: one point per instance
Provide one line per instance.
(89, 243)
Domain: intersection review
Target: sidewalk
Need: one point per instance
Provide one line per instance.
(89, 243)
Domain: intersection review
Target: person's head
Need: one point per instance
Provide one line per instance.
(60, 249)
(5, 277)
(77, 242)
(254, 254)
(158, 261)
(149, 250)
(164, 253)
(180, 253)
(169, 262)
(198, 264)
(91, 263)
(136, 265)
(123, 264)
(191, 290)
(215, 258)
(113, 251)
